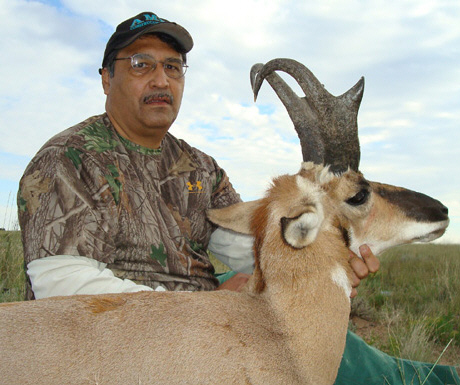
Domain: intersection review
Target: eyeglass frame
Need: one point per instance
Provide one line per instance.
(153, 68)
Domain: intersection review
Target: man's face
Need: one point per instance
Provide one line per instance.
(143, 107)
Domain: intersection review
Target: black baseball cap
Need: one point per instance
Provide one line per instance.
(145, 22)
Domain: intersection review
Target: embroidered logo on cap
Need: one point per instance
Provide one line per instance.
(149, 19)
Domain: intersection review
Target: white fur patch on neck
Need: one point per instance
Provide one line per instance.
(340, 278)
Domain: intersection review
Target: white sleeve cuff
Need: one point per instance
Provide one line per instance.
(69, 274)
(233, 249)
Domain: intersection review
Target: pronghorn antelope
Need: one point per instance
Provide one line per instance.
(289, 325)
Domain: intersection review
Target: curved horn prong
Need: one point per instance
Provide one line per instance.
(288, 97)
(326, 124)
(311, 141)
(354, 95)
(255, 69)
(307, 81)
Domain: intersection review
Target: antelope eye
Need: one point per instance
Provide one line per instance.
(359, 199)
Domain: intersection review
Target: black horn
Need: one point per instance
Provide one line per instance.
(327, 125)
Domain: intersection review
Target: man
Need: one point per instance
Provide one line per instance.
(116, 203)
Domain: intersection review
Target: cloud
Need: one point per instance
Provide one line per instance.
(45, 82)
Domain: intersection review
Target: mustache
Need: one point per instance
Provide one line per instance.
(164, 96)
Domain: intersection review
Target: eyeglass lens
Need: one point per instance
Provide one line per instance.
(142, 63)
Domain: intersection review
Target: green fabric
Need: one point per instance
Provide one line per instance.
(225, 276)
(364, 365)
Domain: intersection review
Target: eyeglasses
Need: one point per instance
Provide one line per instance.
(142, 64)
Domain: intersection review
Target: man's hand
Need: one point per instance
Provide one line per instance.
(362, 267)
(236, 283)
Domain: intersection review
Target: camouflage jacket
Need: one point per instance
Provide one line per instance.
(92, 193)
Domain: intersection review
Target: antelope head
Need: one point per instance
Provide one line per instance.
(329, 190)
(368, 212)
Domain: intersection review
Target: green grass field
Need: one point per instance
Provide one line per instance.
(414, 303)
(409, 309)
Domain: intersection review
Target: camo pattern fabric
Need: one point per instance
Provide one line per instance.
(92, 193)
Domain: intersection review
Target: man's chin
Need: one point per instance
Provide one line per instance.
(158, 119)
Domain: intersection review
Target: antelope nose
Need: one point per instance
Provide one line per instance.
(444, 210)
(440, 211)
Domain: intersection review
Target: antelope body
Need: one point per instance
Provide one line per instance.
(287, 327)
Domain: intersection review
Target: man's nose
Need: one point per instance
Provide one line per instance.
(158, 77)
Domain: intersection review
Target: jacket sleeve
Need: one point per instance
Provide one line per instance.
(233, 249)
(68, 275)
(66, 207)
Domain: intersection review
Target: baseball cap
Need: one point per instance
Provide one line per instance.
(145, 22)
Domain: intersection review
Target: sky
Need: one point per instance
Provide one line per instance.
(408, 51)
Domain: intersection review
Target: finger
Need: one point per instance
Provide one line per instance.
(241, 286)
(358, 266)
(355, 281)
(240, 280)
(353, 293)
(371, 261)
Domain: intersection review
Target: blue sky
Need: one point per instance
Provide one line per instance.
(408, 52)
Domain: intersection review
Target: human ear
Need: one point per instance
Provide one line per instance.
(105, 75)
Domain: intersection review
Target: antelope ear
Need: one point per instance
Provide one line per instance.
(236, 217)
(302, 230)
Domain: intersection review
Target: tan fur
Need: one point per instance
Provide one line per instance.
(287, 327)
(102, 304)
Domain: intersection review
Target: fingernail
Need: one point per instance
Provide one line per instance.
(364, 249)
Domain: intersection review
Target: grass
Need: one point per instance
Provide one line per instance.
(414, 298)
(12, 278)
